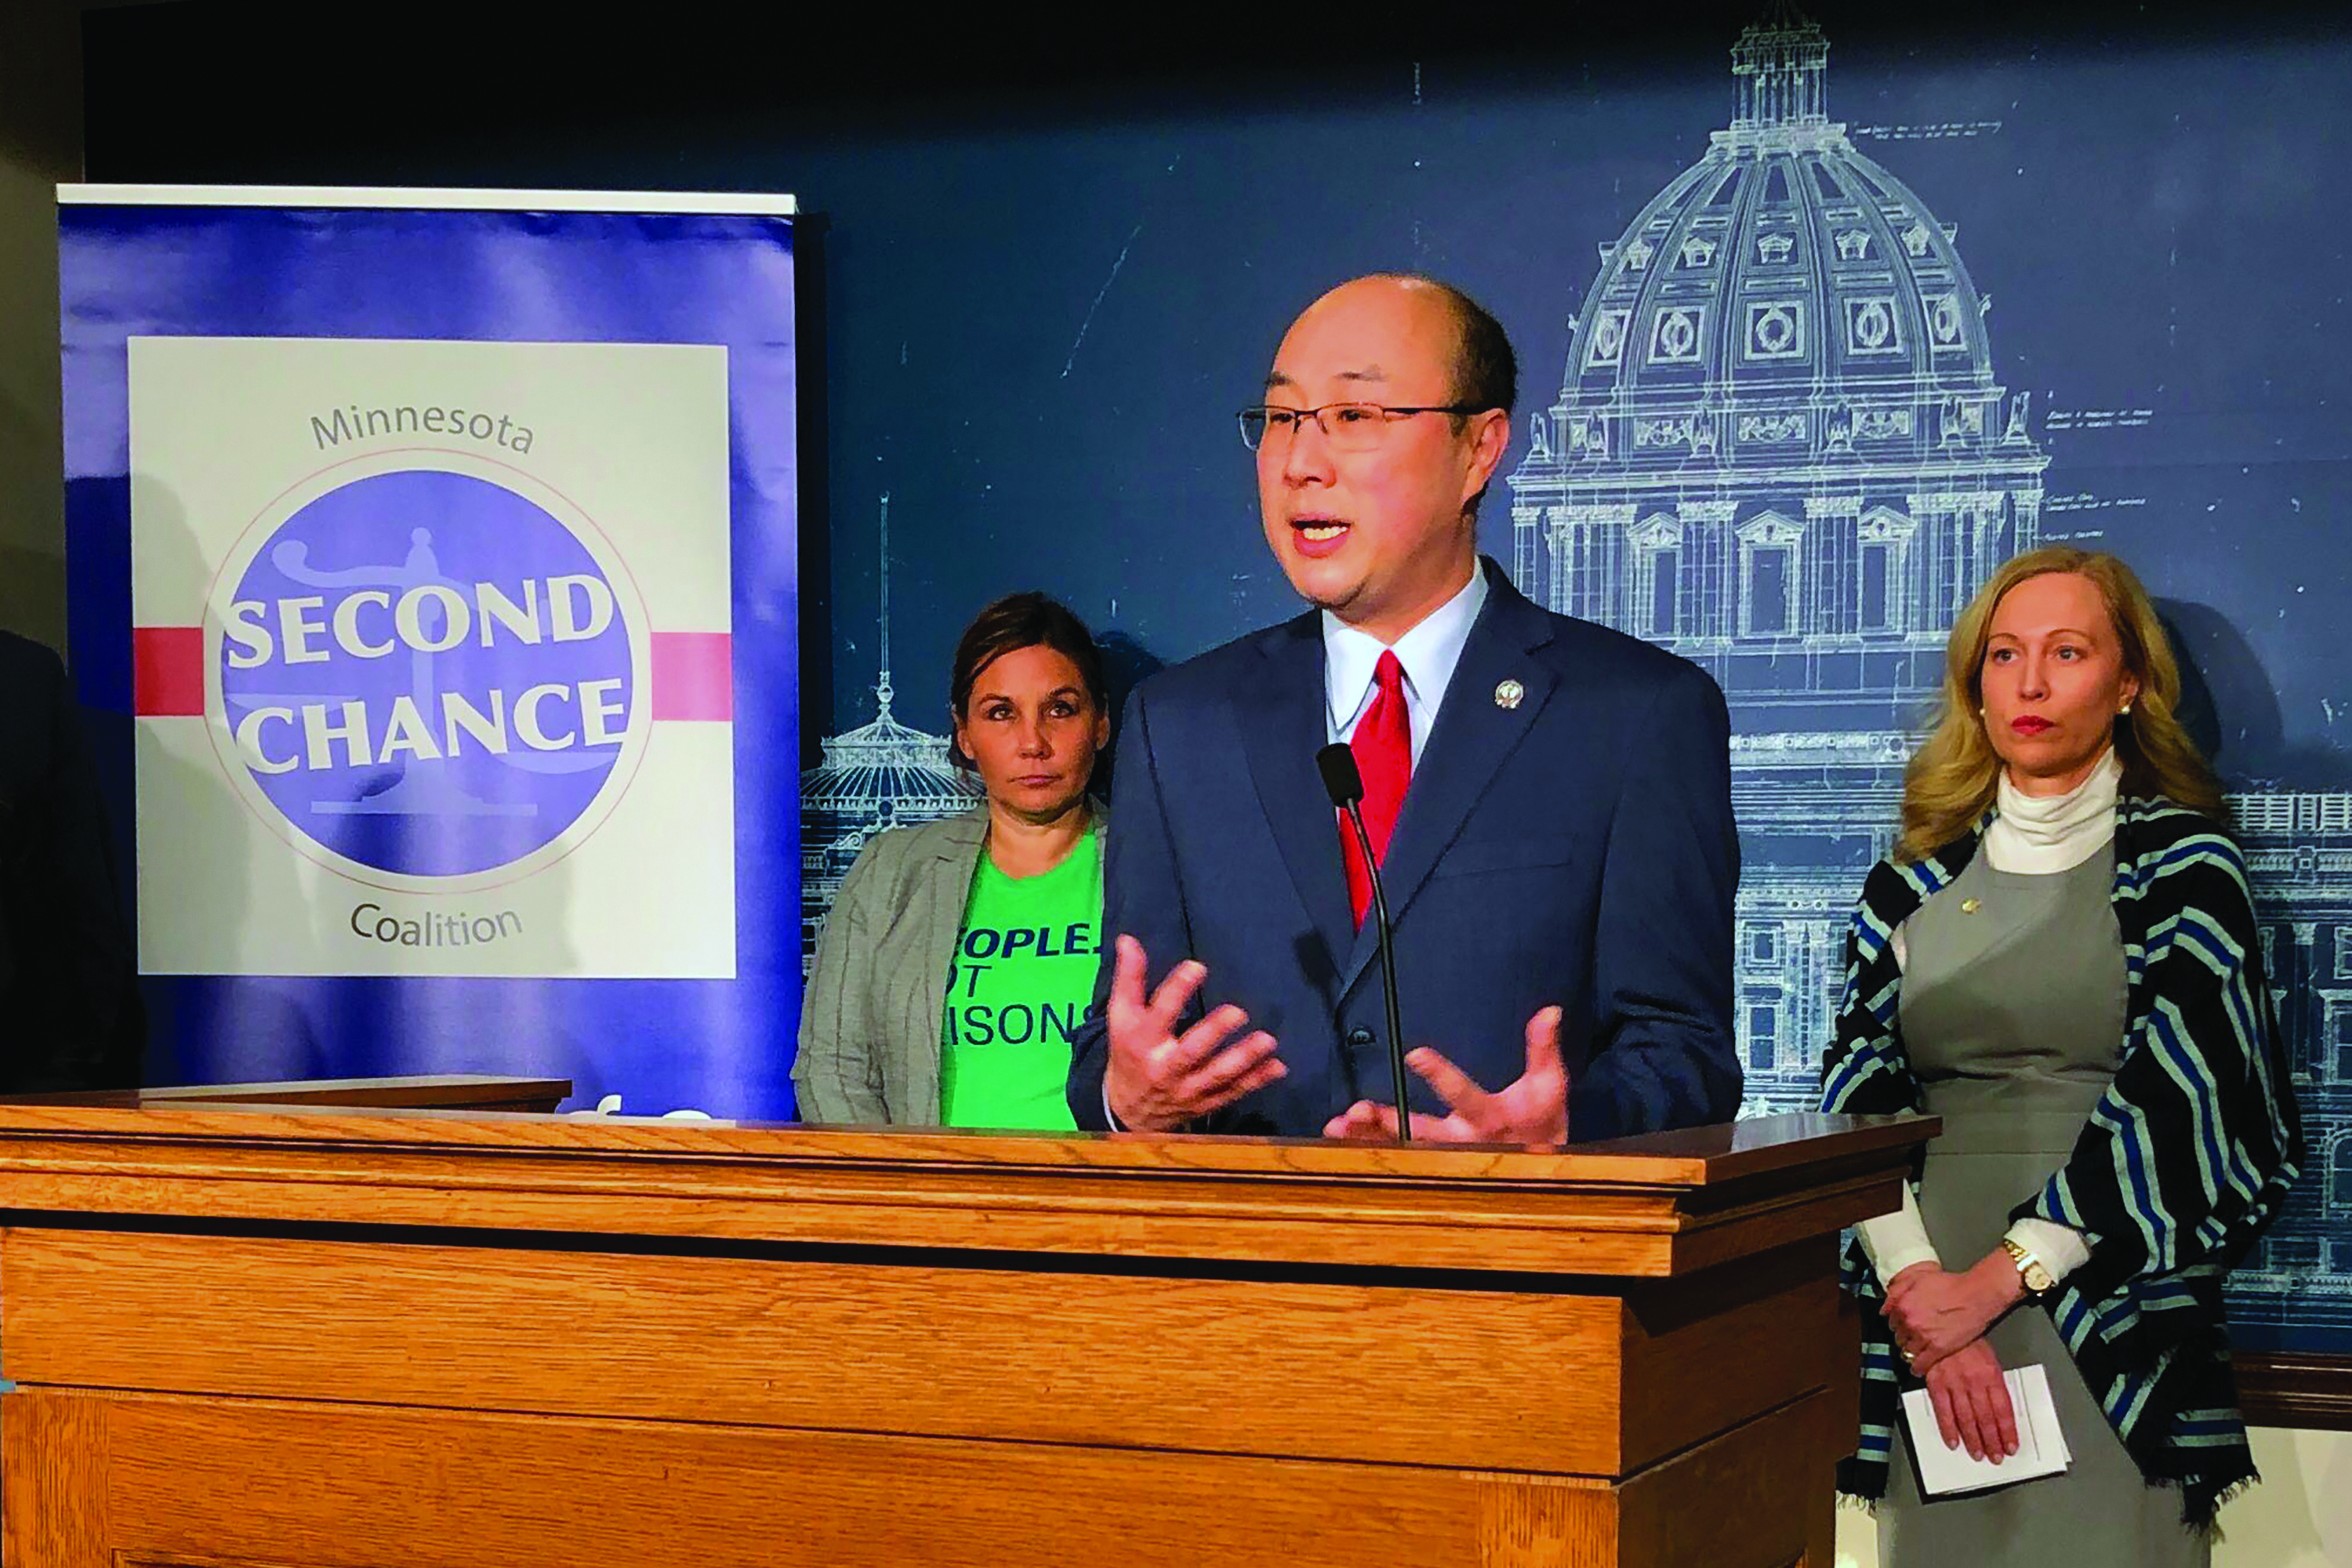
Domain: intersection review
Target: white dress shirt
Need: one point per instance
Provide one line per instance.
(1428, 653)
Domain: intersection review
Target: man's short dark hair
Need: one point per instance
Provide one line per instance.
(1013, 623)
(1486, 369)
(1486, 374)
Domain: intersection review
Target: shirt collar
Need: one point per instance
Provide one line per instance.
(1428, 652)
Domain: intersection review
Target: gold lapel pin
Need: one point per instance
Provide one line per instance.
(1970, 906)
(1508, 694)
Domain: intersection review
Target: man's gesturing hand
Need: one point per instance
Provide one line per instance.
(1531, 1110)
(1157, 1080)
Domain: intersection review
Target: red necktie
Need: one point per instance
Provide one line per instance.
(1383, 746)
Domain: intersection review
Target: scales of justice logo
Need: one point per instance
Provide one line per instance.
(427, 671)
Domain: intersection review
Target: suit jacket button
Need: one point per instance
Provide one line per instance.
(1359, 1037)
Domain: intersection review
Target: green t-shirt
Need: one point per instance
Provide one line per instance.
(1023, 973)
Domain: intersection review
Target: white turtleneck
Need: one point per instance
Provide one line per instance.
(2040, 836)
(2033, 835)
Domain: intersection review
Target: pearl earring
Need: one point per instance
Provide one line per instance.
(2125, 711)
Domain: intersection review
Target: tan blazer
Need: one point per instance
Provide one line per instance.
(870, 1024)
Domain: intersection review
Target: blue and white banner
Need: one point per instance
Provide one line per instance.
(441, 548)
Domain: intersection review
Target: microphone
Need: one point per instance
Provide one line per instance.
(1344, 785)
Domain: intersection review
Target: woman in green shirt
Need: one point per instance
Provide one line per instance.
(960, 956)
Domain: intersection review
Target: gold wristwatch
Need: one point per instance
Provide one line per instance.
(2034, 1273)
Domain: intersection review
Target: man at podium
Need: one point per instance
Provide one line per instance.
(1548, 801)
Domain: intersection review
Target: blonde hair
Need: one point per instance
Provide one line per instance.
(1953, 776)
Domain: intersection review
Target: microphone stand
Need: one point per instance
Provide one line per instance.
(1344, 785)
(1388, 973)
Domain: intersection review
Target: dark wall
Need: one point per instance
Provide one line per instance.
(40, 146)
(1050, 268)
(1040, 273)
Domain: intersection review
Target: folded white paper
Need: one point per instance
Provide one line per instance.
(2040, 1446)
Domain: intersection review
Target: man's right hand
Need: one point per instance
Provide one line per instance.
(1156, 1079)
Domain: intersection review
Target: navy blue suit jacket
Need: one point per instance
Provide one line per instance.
(1577, 848)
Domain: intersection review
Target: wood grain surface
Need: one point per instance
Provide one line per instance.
(2286, 1388)
(1625, 1210)
(54, 1455)
(308, 1329)
(184, 1481)
(1520, 1380)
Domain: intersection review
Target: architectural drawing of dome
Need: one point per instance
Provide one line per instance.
(883, 769)
(874, 778)
(1780, 447)
(880, 775)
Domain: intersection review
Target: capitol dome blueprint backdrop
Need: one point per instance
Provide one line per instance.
(1799, 367)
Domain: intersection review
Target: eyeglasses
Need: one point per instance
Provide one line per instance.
(1347, 427)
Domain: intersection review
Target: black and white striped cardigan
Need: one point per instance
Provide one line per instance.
(2183, 1162)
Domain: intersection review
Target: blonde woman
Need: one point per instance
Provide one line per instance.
(2061, 960)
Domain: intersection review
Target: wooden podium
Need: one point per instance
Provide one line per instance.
(322, 1326)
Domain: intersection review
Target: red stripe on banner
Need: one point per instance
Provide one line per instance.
(167, 671)
(694, 675)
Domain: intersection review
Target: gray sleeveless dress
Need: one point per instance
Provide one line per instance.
(2012, 1014)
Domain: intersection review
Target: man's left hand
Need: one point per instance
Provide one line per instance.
(1532, 1109)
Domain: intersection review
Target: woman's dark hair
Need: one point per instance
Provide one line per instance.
(1014, 622)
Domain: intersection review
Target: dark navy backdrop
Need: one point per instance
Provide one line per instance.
(1043, 290)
